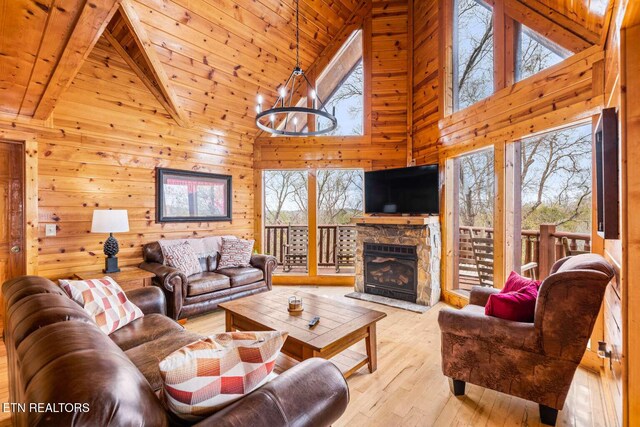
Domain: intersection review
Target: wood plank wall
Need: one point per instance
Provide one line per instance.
(427, 105)
(389, 73)
(107, 135)
(612, 249)
(384, 145)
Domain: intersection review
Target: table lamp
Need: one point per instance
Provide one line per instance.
(110, 221)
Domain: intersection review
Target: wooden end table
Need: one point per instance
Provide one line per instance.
(341, 326)
(128, 277)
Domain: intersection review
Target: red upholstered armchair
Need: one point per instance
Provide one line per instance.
(535, 361)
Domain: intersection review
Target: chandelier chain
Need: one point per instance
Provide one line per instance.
(275, 120)
(298, 33)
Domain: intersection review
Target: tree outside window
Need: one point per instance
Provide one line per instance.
(473, 53)
(556, 180)
(347, 102)
(535, 53)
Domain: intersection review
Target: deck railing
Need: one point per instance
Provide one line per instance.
(543, 247)
(275, 239)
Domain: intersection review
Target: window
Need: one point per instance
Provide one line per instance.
(535, 53)
(474, 219)
(346, 104)
(555, 196)
(556, 180)
(288, 210)
(340, 198)
(286, 218)
(341, 86)
(473, 53)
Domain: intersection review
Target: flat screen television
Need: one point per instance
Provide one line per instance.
(413, 190)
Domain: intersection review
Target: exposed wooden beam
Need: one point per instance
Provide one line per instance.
(92, 21)
(562, 21)
(139, 34)
(540, 23)
(152, 85)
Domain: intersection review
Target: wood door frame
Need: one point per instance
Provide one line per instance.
(29, 144)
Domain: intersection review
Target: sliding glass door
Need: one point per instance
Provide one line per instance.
(340, 198)
(286, 214)
(474, 194)
(555, 197)
(307, 220)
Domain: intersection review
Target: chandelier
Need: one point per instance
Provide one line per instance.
(281, 118)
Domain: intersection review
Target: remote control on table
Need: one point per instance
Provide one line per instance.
(314, 321)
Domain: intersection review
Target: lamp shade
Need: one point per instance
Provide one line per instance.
(110, 221)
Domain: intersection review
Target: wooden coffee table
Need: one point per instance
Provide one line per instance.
(341, 326)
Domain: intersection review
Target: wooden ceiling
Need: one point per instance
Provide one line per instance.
(204, 60)
(217, 54)
(589, 13)
(42, 45)
(586, 19)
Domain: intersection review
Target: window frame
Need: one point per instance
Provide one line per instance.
(505, 43)
(455, 53)
(358, 36)
(544, 41)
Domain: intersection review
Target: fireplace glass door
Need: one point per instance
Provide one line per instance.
(391, 271)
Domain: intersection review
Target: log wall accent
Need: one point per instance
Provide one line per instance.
(622, 91)
(630, 129)
(389, 73)
(107, 135)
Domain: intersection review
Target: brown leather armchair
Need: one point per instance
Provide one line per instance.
(535, 361)
(58, 356)
(202, 292)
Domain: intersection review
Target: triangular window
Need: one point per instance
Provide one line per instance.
(535, 53)
(341, 86)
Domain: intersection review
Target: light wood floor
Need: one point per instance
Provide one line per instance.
(408, 389)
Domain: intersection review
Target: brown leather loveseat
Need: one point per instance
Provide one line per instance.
(66, 371)
(202, 292)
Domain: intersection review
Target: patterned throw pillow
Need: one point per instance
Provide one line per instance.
(183, 258)
(213, 372)
(235, 253)
(104, 300)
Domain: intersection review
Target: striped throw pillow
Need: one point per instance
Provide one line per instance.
(104, 300)
(211, 373)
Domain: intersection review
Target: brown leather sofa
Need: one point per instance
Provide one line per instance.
(535, 361)
(57, 355)
(202, 292)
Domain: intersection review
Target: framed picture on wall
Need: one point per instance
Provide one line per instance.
(188, 196)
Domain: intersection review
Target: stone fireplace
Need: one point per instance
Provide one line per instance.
(399, 257)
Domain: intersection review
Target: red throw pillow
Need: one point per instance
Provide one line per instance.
(515, 282)
(519, 306)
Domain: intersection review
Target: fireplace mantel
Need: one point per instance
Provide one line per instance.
(395, 220)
